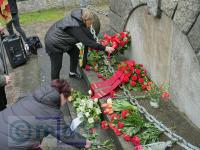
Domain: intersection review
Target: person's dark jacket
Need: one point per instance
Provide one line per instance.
(21, 123)
(65, 33)
(2, 73)
(13, 6)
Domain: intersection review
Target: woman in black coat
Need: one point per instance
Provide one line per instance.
(34, 116)
(63, 37)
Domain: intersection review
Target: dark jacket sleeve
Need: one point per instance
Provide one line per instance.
(63, 133)
(83, 35)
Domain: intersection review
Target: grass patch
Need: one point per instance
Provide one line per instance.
(42, 16)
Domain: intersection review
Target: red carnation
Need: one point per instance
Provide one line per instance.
(122, 43)
(120, 125)
(117, 131)
(138, 71)
(125, 79)
(104, 42)
(134, 78)
(124, 113)
(144, 87)
(99, 75)
(141, 65)
(114, 44)
(107, 37)
(117, 40)
(135, 140)
(87, 67)
(126, 137)
(141, 80)
(133, 83)
(126, 41)
(132, 69)
(113, 116)
(104, 124)
(111, 125)
(130, 63)
(165, 95)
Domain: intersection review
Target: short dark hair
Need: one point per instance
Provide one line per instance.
(62, 86)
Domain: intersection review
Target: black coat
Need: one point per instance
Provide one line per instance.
(21, 123)
(65, 33)
(13, 6)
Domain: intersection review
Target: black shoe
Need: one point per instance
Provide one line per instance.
(75, 75)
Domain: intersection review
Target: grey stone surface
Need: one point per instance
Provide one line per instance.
(136, 3)
(198, 56)
(186, 14)
(116, 22)
(194, 36)
(168, 6)
(122, 8)
(184, 77)
(35, 5)
(149, 45)
(153, 7)
(168, 56)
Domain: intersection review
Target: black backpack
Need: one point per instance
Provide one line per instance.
(34, 43)
(15, 50)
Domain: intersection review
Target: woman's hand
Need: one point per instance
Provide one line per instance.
(8, 79)
(109, 49)
(88, 144)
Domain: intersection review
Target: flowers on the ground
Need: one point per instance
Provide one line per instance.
(155, 93)
(87, 67)
(104, 124)
(107, 107)
(135, 140)
(135, 76)
(88, 107)
(126, 121)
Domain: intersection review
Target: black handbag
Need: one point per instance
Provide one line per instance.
(34, 44)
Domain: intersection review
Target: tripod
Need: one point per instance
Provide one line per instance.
(2, 53)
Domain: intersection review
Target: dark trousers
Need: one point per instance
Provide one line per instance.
(3, 99)
(56, 62)
(15, 22)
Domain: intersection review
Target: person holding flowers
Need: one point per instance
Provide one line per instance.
(37, 115)
(63, 37)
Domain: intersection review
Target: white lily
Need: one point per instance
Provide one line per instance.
(87, 114)
(96, 100)
(109, 100)
(98, 111)
(91, 120)
(90, 104)
(90, 92)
